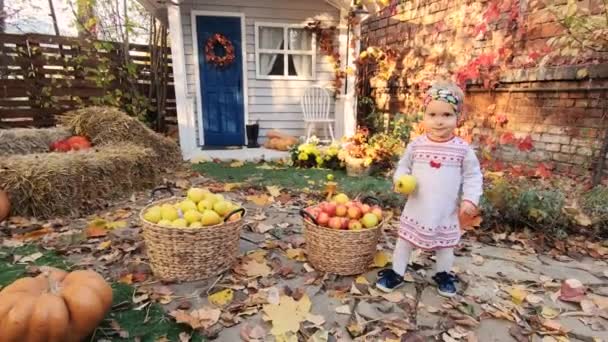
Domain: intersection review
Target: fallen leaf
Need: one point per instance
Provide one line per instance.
(518, 295)
(116, 225)
(582, 73)
(262, 228)
(126, 279)
(274, 191)
(354, 290)
(184, 337)
(320, 335)
(104, 245)
(252, 333)
(549, 312)
(381, 259)
(260, 200)
(308, 268)
(296, 254)
(221, 298)
(552, 325)
(31, 258)
(273, 296)
(344, 309)
(317, 320)
(533, 299)
(362, 280)
(254, 268)
(118, 329)
(447, 338)
(96, 231)
(231, 186)
(589, 307)
(394, 297)
(478, 260)
(287, 315)
(201, 318)
(237, 163)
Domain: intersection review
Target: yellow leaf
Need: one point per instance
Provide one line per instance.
(296, 254)
(260, 200)
(258, 255)
(231, 186)
(549, 312)
(221, 298)
(274, 190)
(126, 279)
(237, 163)
(256, 269)
(116, 224)
(361, 280)
(381, 259)
(287, 315)
(104, 245)
(582, 73)
(518, 295)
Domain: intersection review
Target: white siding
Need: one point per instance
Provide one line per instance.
(275, 103)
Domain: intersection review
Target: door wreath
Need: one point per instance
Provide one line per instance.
(219, 61)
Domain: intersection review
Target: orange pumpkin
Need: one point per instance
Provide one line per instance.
(55, 306)
(5, 205)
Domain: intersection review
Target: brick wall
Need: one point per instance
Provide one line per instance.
(561, 108)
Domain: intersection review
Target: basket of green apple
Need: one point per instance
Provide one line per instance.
(341, 235)
(192, 238)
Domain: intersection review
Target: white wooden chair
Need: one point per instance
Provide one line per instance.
(316, 103)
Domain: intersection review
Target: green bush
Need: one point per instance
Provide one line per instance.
(549, 207)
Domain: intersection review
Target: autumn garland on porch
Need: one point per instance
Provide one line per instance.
(211, 57)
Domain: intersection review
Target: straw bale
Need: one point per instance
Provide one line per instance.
(76, 183)
(30, 140)
(109, 125)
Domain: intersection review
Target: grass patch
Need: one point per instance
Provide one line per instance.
(157, 324)
(303, 179)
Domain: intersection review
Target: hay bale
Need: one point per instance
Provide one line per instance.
(75, 183)
(108, 125)
(30, 140)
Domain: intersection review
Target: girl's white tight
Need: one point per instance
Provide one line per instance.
(403, 251)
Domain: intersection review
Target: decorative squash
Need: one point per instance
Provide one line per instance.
(5, 205)
(55, 306)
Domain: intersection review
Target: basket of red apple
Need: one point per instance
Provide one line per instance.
(341, 235)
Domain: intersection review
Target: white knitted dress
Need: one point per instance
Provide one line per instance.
(446, 173)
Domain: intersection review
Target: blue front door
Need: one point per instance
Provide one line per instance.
(221, 87)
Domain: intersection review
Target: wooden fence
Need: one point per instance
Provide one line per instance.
(42, 76)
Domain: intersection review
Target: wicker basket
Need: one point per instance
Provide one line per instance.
(187, 254)
(343, 252)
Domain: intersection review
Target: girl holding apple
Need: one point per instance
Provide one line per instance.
(442, 177)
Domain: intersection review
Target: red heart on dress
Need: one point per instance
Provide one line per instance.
(435, 164)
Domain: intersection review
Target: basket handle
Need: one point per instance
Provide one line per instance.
(306, 215)
(236, 211)
(161, 188)
(371, 200)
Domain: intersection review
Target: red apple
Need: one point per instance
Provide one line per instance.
(365, 208)
(354, 212)
(378, 212)
(345, 223)
(323, 219)
(341, 210)
(335, 223)
(355, 225)
(329, 208)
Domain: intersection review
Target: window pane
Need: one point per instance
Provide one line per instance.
(300, 39)
(270, 37)
(300, 65)
(272, 64)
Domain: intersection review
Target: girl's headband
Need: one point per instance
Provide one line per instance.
(445, 95)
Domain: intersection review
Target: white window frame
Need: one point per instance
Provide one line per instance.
(285, 52)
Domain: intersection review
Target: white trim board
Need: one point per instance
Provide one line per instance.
(199, 106)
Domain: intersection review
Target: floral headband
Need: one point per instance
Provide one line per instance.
(445, 95)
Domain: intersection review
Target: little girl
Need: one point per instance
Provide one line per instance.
(449, 184)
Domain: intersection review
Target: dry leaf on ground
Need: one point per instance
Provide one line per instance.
(296, 254)
(274, 190)
(381, 259)
(287, 315)
(201, 318)
(344, 309)
(221, 298)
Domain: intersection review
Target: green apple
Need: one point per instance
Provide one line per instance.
(369, 220)
(153, 214)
